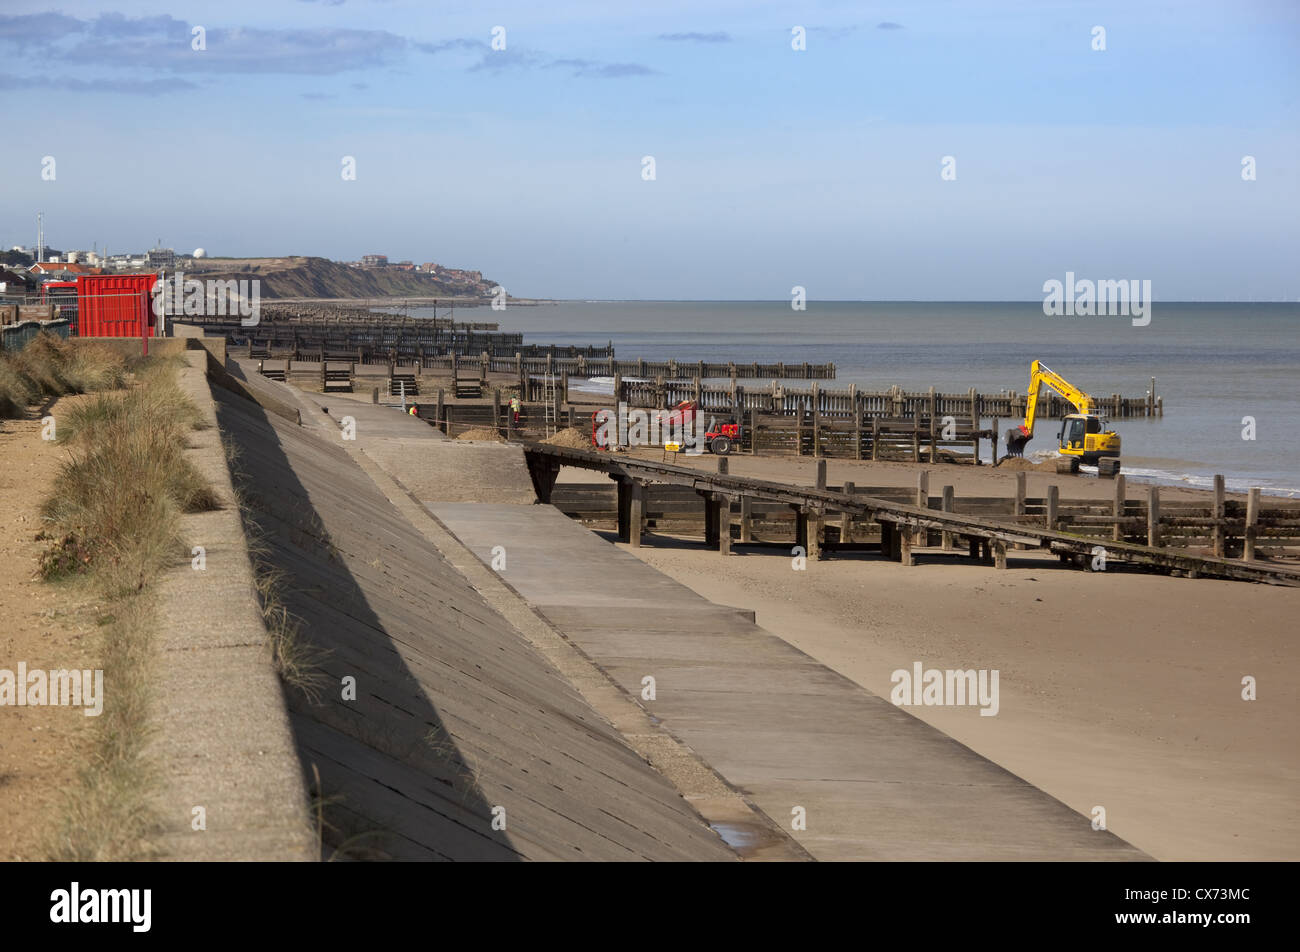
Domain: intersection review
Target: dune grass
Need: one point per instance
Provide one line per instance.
(114, 522)
(51, 366)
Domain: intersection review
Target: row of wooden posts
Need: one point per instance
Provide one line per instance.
(1220, 527)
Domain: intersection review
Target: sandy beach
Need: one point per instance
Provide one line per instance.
(1120, 690)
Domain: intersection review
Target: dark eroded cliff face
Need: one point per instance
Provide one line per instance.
(303, 277)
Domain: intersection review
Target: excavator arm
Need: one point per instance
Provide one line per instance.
(1040, 375)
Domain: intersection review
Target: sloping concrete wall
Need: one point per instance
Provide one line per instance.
(461, 741)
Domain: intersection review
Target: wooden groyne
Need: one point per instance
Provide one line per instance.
(1258, 527)
(854, 402)
(903, 526)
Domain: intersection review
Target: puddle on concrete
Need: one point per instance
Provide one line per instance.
(741, 837)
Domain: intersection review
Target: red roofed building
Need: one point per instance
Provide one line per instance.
(56, 267)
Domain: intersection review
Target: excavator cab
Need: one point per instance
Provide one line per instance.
(1085, 439)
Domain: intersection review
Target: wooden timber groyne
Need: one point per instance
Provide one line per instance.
(1258, 527)
(903, 526)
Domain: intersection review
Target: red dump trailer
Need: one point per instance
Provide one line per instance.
(115, 305)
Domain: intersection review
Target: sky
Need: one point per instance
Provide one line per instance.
(774, 167)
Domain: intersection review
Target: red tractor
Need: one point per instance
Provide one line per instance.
(680, 421)
(718, 438)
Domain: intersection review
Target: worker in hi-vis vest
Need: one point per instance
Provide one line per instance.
(515, 406)
(413, 409)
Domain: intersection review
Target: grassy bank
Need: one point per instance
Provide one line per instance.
(53, 367)
(113, 524)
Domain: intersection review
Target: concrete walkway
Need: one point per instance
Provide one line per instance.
(875, 782)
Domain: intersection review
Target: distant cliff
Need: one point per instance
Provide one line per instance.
(303, 277)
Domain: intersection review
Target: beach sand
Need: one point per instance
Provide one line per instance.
(1118, 689)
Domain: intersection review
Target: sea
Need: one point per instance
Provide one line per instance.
(1229, 373)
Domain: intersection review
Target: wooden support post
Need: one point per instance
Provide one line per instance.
(374, 394)
(1053, 504)
(1117, 509)
(723, 519)
(801, 528)
(1218, 534)
(922, 535)
(624, 509)
(496, 411)
(723, 465)
(857, 428)
(710, 520)
(916, 436)
(948, 500)
(821, 474)
(636, 515)
(1153, 515)
(975, 428)
(999, 554)
(440, 413)
(816, 519)
(905, 548)
(816, 421)
(746, 519)
(846, 518)
(543, 473)
(875, 438)
(1252, 520)
(1019, 509)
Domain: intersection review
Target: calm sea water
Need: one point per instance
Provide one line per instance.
(1213, 363)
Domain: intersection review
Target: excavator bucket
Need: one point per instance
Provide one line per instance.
(1016, 440)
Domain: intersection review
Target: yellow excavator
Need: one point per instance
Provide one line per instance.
(1083, 437)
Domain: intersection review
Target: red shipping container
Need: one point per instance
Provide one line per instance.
(115, 305)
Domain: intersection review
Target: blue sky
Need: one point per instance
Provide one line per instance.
(774, 167)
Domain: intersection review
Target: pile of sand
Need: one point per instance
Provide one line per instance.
(481, 433)
(1018, 464)
(570, 438)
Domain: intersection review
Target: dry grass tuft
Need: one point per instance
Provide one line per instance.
(50, 366)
